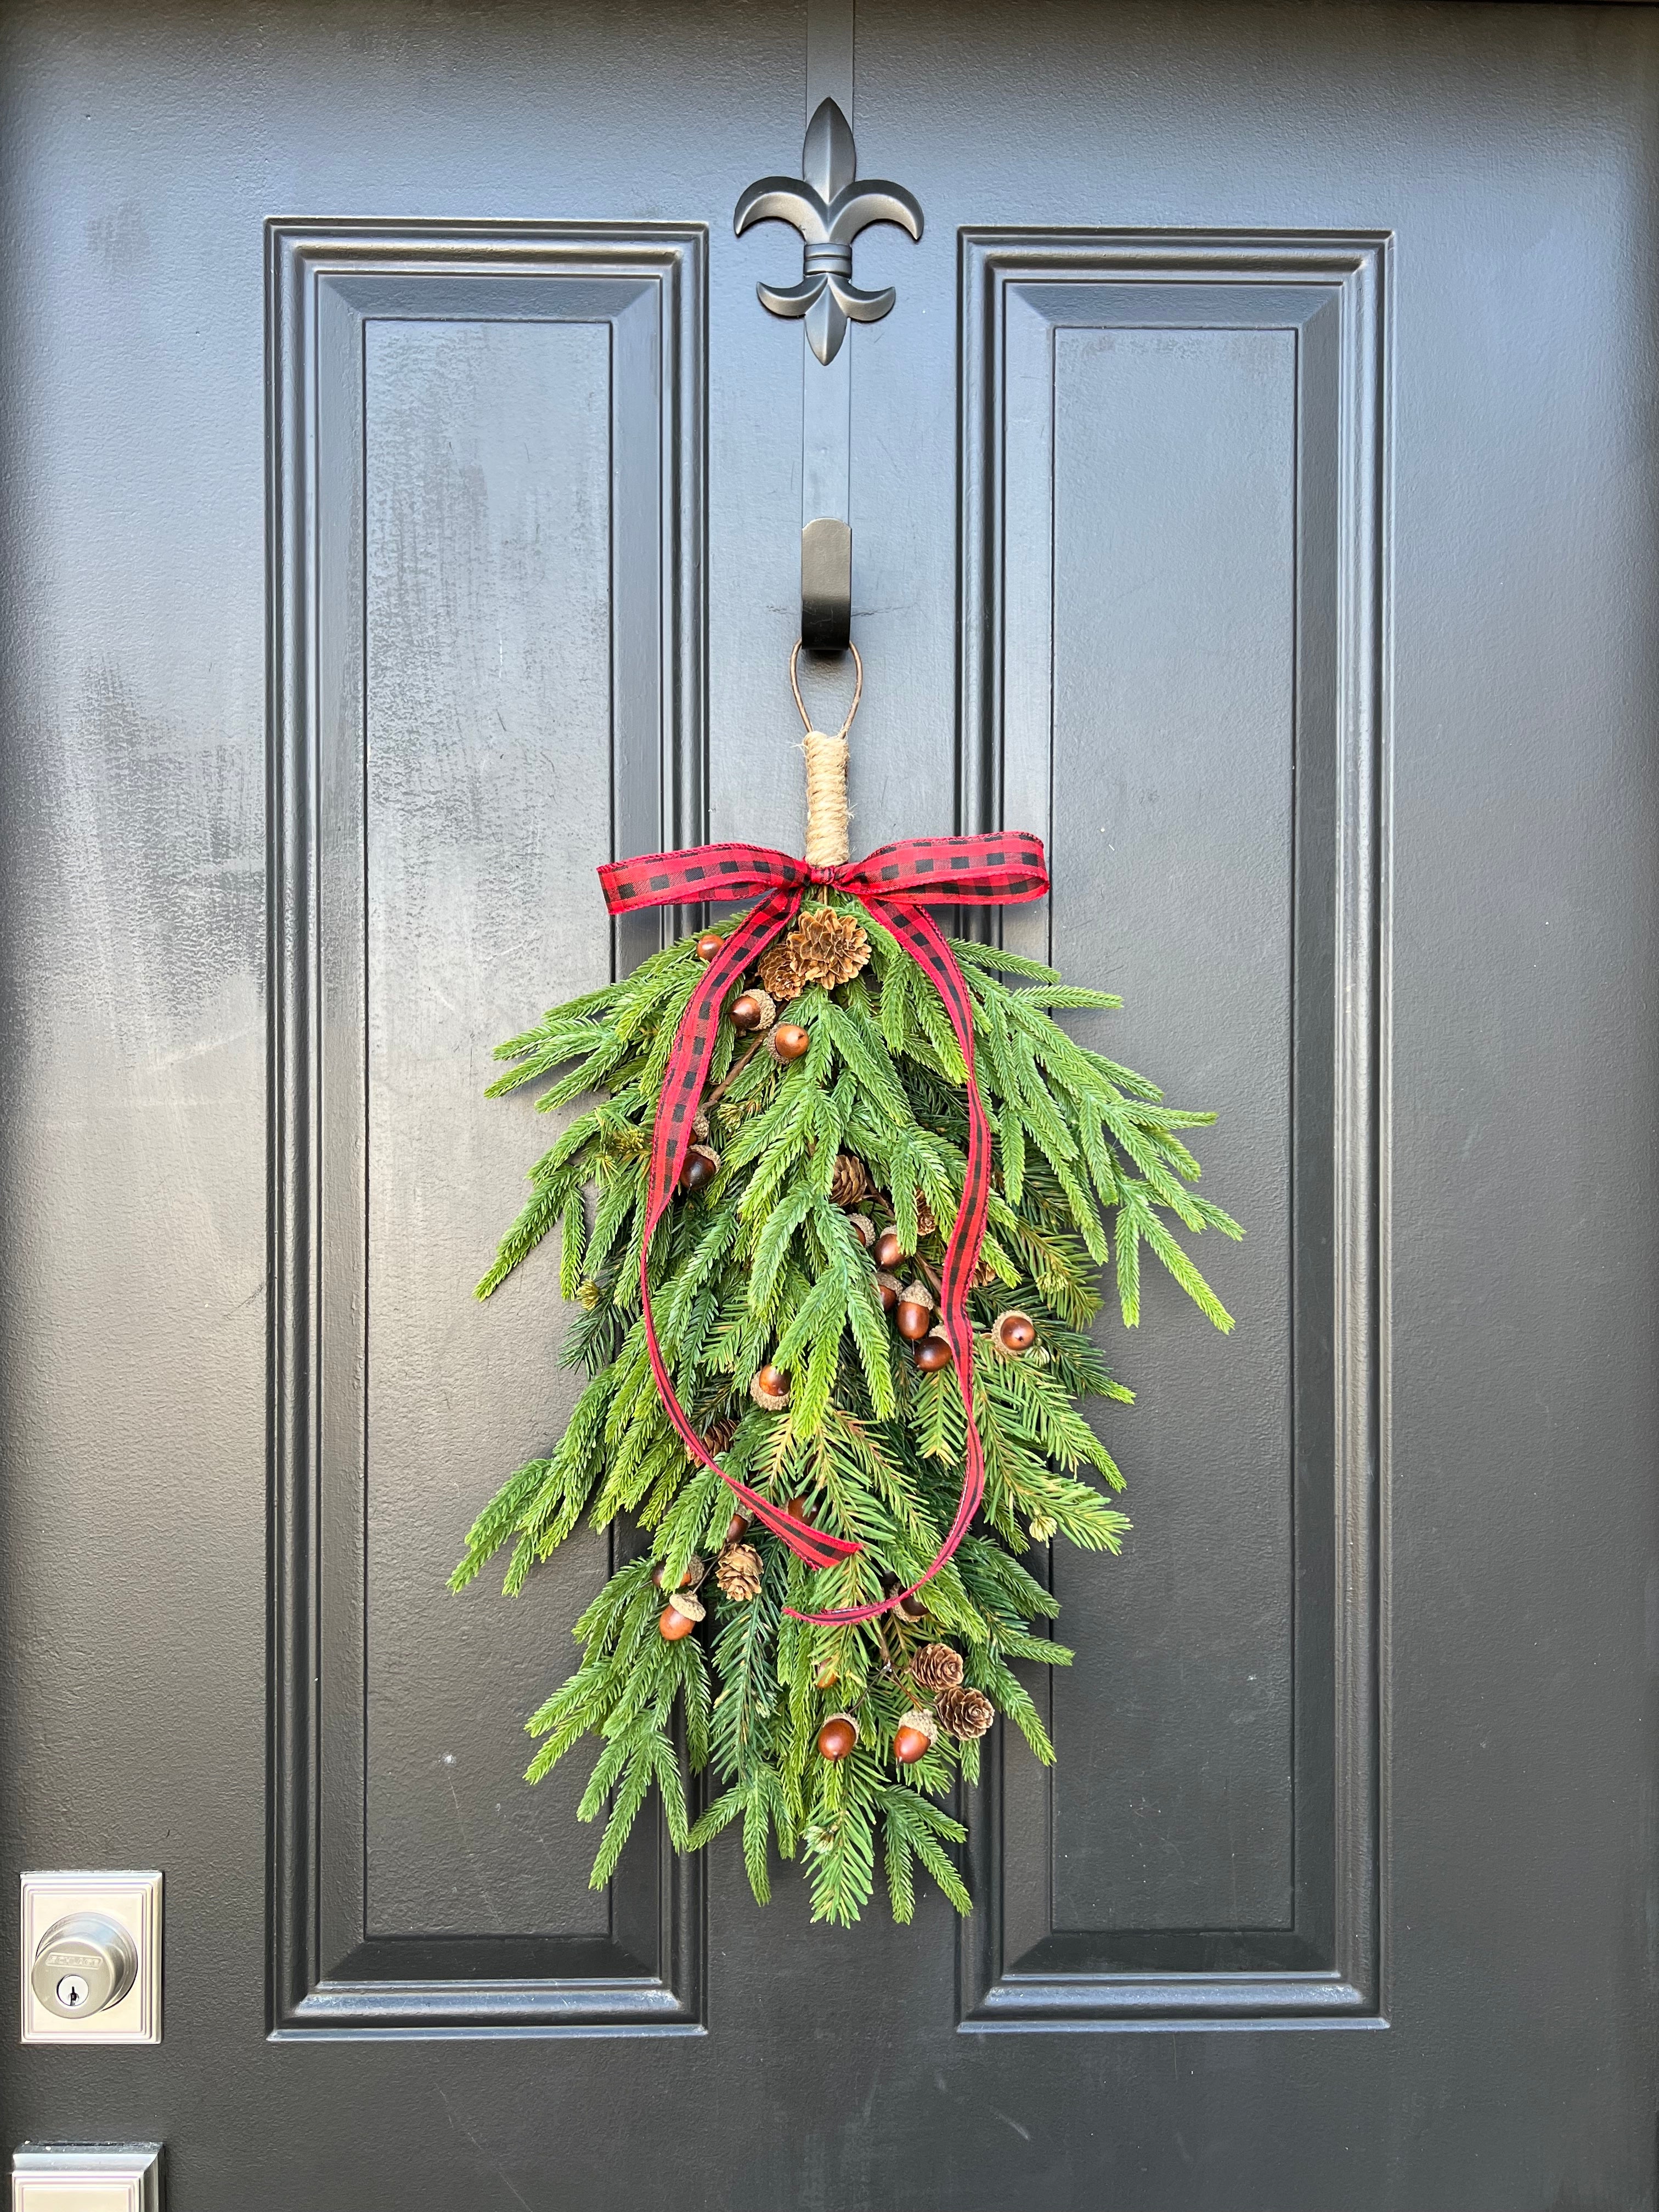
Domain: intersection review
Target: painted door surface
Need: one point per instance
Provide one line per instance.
(1254, 490)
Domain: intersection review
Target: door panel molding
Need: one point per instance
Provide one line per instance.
(643, 286)
(1019, 290)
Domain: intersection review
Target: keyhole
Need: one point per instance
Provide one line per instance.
(71, 1992)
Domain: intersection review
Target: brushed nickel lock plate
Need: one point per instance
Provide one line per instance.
(46, 2177)
(92, 1958)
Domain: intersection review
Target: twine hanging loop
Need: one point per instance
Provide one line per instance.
(827, 812)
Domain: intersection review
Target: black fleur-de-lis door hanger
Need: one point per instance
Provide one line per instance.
(829, 206)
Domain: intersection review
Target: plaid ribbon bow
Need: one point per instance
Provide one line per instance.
(996, 870)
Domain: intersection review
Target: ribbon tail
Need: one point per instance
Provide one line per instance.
(671, 1139)
(915, 930)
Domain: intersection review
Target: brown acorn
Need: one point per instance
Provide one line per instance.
(739, 1525)
(933, 1353)
(1012, 1332)
(694, 1572)
(702, 1165)
(788, 1041)
(863, 1228)
(709, 944)
(916, 1311)
(826, 1674)
(889, 1251)
(916, 1736)
(672, 1624)
(770, 1386)
(912, 1607)
(837, 1736)
(936, 1667)
(753, 1011)
(888, 1285)
(963, 1713)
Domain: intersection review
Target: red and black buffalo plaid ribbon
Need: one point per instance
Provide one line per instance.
(892, 883)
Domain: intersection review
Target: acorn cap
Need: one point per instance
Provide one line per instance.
(918, 1717)
(691, 1575)
(916, 1294)
(686, 1601)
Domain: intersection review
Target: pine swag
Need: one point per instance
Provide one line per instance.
(793, 1282)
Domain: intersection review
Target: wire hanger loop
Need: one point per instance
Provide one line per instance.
(858, 689)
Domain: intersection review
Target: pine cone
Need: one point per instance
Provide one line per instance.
(737, 1571)
(851, 1180)
(925, 1224)
(827, 947)
(780, 971)
(963, 1713)
(936, 1667)
(717, 1435)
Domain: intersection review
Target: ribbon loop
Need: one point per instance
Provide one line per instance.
(999, 868)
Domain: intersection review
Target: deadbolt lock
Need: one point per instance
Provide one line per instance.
(91, 1958)
(83, 1964)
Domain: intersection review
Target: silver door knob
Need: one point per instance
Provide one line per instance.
(83, 1964)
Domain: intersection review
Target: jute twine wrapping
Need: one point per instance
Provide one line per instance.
(826, 799)
(826, 775)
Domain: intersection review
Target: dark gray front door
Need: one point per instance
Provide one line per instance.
(1254, 490)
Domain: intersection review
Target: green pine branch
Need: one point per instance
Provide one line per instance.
(1091, 1168)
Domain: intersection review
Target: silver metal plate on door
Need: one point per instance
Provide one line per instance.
(92, 1958)
(46, 2177)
